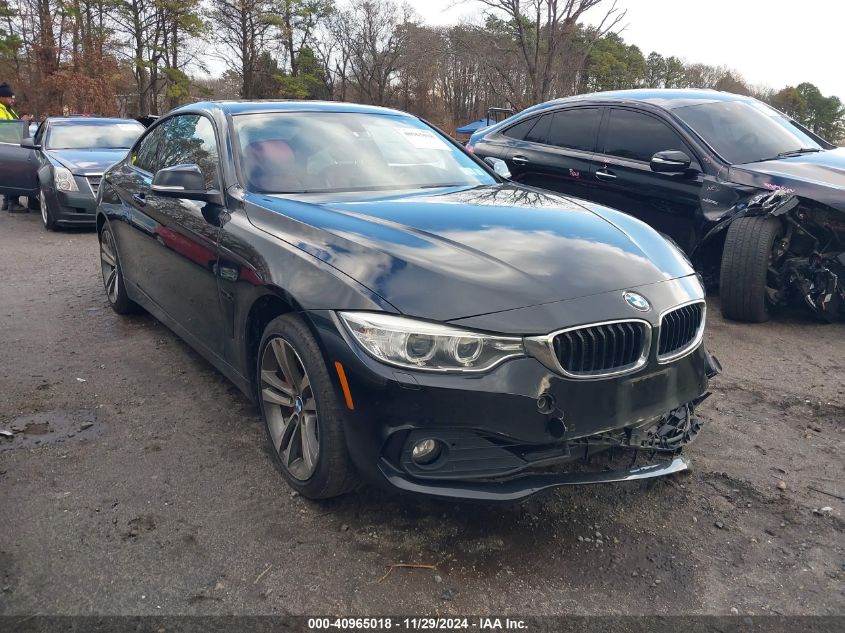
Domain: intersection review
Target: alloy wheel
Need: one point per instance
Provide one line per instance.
(108, 264)
(43, 204)
(290, 408)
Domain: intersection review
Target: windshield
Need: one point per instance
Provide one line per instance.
(317, 152)
(745, 131)
(93, 136)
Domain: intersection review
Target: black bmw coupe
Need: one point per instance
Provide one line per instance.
(398, 310)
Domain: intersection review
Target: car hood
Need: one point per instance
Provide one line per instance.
(819, 176)
(86, 161)
(452, 253)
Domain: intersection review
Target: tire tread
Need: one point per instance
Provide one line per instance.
(745, 263)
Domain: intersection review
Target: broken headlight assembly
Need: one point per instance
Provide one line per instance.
(424, 345)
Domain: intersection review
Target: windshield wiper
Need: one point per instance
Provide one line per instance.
(797, 152)
(787, 154)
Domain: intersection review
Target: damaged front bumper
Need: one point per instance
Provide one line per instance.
(520, 488)
(521, 427)
(659, 442)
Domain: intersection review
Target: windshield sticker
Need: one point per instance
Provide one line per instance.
(424, 139)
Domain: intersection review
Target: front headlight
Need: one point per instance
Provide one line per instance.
(64, 179)
(428, 346)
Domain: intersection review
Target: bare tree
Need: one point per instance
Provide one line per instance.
(542, 33)
(298, 22)
(372, 36)
(244, 29)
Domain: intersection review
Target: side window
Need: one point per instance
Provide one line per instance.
(638, 136)
(12, 132)
(146, 152)
(189, 138)
(540, 132)
(576, 128)
(521, 129)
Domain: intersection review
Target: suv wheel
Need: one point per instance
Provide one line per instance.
(303, 416)
(746, 259)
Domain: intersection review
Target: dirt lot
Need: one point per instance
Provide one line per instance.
(138, 482)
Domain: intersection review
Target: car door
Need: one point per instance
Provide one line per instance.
(174, 241)
(624, 180)
(557, 151)
(18, 165)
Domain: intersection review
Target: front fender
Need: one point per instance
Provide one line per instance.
(774, 203)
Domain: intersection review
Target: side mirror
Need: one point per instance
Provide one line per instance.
(186, 182)
(670, 162)
(499, 166)
(28, 143)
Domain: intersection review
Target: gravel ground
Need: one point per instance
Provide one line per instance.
(138, 482)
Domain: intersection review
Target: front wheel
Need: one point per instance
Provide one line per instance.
(47, 216)
(303, 416)
(113, 275)
(746, 259)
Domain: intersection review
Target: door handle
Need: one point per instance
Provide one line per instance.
(605, 175)
(519, 160)
(140, 198)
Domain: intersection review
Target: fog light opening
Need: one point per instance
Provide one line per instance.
(426, 451)
(556, 427)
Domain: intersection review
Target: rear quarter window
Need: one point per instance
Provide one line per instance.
(520, 130)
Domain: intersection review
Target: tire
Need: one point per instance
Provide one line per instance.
(113, 275)
(745, 265)
(47, 217)
(303, 414)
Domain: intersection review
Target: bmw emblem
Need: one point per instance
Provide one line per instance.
(636, 301)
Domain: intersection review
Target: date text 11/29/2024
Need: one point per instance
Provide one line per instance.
(417, 623)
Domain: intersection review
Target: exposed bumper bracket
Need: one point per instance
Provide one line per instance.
(524, 486)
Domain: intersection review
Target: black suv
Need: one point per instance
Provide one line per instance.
(754, 198)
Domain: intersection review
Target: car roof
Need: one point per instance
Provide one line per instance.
(667, 98)
(285, 105)
(89, 120)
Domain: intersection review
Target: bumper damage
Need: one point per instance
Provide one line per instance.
(659, 442)
(521, 428)
(521, 488)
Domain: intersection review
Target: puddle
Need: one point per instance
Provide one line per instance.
(49, 427)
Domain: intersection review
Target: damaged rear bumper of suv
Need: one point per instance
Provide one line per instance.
(542, 420)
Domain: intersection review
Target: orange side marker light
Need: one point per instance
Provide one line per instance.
(344, 384)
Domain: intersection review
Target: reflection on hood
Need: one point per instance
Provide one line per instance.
(478, 250)
(87, 160)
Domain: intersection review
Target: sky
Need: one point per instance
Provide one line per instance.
(769, 42)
